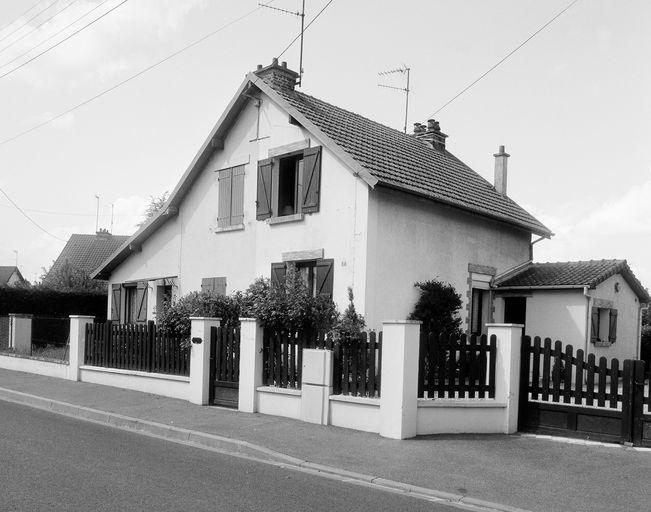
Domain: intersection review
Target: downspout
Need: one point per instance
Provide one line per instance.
(588, 316)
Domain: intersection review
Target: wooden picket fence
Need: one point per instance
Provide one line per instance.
(356, 362)
(456, 366)
(139, 347)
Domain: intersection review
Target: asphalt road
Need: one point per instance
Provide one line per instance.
(54, 463)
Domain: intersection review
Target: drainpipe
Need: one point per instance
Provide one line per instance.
(587, 319)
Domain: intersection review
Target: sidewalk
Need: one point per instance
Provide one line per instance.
(527, 472)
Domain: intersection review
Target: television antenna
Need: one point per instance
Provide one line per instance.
(404, 70)
(301, 15)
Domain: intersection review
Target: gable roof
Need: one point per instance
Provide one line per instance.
(373, 152)
(571, 274)
(87, 252)
(7, 271)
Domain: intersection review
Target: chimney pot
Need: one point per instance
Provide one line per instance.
(501, 170)
(433, 125)
(274, 61)
(259, 67)
(283, 64)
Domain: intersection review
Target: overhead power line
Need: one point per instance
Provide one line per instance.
(53, 35)
(69, 214)
(34, 29)
(306, 27)
(29, 218)
(503, 59)
(29, 20)
(20, 16)
(64, 39)
(132, 77)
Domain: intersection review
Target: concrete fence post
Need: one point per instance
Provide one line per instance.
(77, 344)
(251, 332)
(399, 393)
(316, 386)
(20, 333)
(200, 359)
(507, 370)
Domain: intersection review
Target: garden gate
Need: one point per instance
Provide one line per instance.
(224, 366)
(566, 394)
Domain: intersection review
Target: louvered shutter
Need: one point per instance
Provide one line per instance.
(237, 196)
(594, 336)
(224, 207)
(116, 302)
(141, 301)
(325, 277)
(207, 284)
(278, 273)
(263, 202)
(311, 180)
(612, 326)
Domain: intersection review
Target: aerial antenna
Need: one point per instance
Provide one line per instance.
(112, 208)
(302, 16)
(97, 216)
(405, 71)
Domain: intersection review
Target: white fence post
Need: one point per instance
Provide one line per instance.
(316, 386)
(200, 359)
(77, 344)
(399, 393)
(507, 370)
(20, 333)
(251, 333)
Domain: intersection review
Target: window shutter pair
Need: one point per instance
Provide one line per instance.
(612, 326)
(116, 302)
(231, 197)
(311, 183)
(216, 285)
(141, 301)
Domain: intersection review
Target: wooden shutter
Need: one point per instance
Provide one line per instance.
(141, 301)
(278, 273)
(594, 335)
(116, 302)
(311, 179)
(237, 196)
(263, 201)
(224, 207)
(612, 326)
(207, 284)
(324, 277)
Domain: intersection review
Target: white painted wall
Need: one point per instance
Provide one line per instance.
(187, 247)
(24, 364)
(173, 386)
(412, 239)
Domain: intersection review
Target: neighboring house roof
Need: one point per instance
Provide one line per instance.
(87, 252)
(571, 274)
(372, 151)
(7, 272)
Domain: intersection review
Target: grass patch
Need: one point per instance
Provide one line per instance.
(50, 352)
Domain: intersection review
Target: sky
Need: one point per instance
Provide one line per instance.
(572, 106)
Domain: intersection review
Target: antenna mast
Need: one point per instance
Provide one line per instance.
(302, 16)
(405, 71)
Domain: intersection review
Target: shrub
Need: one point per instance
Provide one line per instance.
(437, 307)
(48, 302)
(176, 317)
(350, 324)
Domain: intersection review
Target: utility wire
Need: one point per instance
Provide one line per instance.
(23, 14)
(306, 27)
(29, 20)
(30, 219)
(34, 29)
(126, 80)
(52, 36)
(70, 214)
(64, 39)
(502, 60)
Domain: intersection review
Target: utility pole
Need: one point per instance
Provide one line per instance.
(97, 216)
(405, 71)
(112, 207)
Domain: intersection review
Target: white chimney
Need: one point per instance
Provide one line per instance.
(500, 170)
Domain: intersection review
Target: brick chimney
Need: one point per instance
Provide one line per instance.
(278, 75)
(431, 134)
(501, 158)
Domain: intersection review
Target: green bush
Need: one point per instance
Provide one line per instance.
(349, 325)
(645, 351)
(176, 317)
(48, 302)
(438, 307)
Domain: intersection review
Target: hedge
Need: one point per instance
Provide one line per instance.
(47, 302)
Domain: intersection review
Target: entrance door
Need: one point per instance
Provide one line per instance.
(515, 310)
(225, 366)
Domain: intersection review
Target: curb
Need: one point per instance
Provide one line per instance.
(247, 450)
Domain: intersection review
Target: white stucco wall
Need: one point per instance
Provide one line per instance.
(412, 239)
(187, 247)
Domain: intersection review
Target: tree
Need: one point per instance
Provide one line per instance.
(437, 307)
(645, 342)
(68, 278)
(153, 207)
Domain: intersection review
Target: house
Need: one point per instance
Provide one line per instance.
(593, 305)
(85, 252)
(11, 276)
(287, 179)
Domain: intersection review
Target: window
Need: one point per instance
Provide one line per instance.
(603, 325)
(231, 197)
(478, 310)
(129, 302)
(317, 275)
(289, 184)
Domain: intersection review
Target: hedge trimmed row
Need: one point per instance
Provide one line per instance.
(46, 302)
